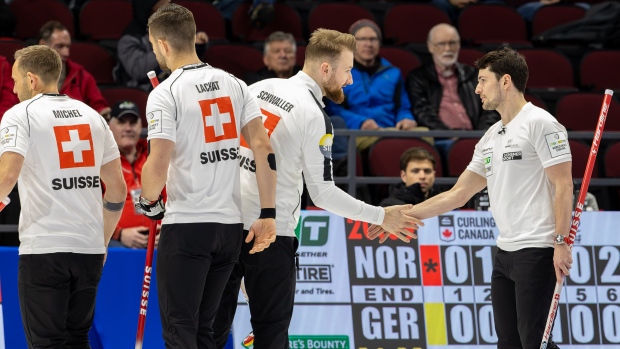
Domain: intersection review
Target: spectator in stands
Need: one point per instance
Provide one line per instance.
(417, 170)
(126, 125)
(7, 97)
(453, 8)
(528, 10)
(377, 98)
(74, 81)
(279, 58)
(443, 93)
(135, 55)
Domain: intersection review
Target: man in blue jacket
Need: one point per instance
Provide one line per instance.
(377, 98)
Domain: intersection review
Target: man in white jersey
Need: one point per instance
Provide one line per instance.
(301, 135)
(194, 120)
(61, 150)
(525, 161)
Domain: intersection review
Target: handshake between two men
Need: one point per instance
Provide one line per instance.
(398, 222)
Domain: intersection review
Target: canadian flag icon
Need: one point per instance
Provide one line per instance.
(447, 234)
(75, 146)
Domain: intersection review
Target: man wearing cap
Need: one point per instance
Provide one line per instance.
(126, 125)
(377, 98)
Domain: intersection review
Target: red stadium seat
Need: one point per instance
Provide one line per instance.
(580, 153)
(384, 156)
(470, 55)
(208, 19)
(32, 14)
(96, 23)
(238, 60)
(97, 61)
(548, 17)
(301, 55)
(403, 59)
(548, 69)
(460, 154)
(336, 16)
(136, 95)
(287, 20)
(580, 112)
(612, 165)
(8, 48)
(599, 70)
(492, 24)
(410, 23)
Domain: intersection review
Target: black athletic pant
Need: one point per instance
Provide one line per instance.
(57, 293)
(521, 289)
(194, 261)
(270, 278)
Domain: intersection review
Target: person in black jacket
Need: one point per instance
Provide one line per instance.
(417, 170)
(443, 94)
(279, 58)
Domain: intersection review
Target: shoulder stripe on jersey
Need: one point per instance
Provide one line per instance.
(172, 94)
(28, 116)
(327, 161)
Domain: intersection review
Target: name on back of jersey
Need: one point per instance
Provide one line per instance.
(275, 100)
(208, 86)
(63, 114)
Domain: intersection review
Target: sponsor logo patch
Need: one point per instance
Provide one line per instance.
(558, 144)
(8, 136)
(513, 155)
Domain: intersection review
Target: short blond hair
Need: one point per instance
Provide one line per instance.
(327, 44)
(175, 24)
(40, 60)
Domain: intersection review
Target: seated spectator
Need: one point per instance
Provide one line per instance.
(74, 81)
(135, 55)
(377, 98)
(417, 170)
(453, 8)
(7, 97)
(279, 58)
(443, 92)
(126, 125)
(528, 10)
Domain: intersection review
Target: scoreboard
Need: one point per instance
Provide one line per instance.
(435, 292)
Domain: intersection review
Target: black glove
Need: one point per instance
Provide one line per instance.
(152, 209)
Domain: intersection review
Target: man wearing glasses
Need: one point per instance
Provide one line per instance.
(377, 98)
(442, 93)
(417, 170)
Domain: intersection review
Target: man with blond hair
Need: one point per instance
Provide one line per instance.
(301, 134)
(61, 150)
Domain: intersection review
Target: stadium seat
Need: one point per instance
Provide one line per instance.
(403, 59)
(470, 55)
(599, 70)
(287, 20)
(238, 60)
(492, 24)
(336, 16)
(548, 69)
(460, 154)
(410, 23)
(32, 14)
(208, 19)
(96, 23)
(612, 165)
(580, 112)
(8, 48)
(136, 95)
(301, 55)
(548, 17)
(97, 61)
(384, 156)
(580, 153)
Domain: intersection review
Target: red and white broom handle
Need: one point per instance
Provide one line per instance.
(555, 301)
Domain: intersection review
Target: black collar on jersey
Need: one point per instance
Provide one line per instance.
(55, 94)
(195, 66)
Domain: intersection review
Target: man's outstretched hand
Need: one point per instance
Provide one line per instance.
(263, 232)
(397, 223)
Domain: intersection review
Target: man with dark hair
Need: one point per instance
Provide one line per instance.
(525, 162)
(74, 80)
(417, 170)
(196, 118)
(61, 150)
(279, 58)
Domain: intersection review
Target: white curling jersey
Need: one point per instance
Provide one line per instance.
(64, 143)
(301, 135)
(514, 162)
(202, 110)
